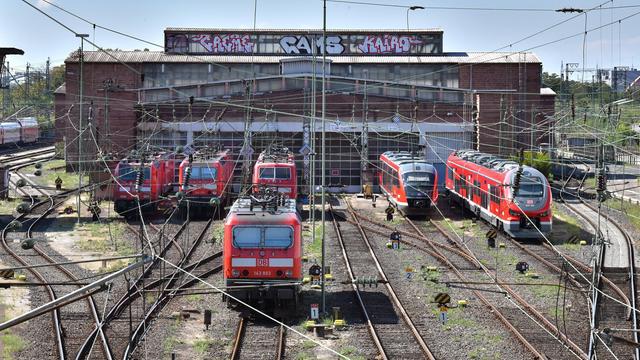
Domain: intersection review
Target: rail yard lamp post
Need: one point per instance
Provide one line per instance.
(80, 128)
(412, 8)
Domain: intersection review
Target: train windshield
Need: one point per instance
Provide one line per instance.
(418, 184)
(531, 190)
(262, 236)
(127, 173)
(278, 237)
(278, 173)
(203, 172)
(246, 236)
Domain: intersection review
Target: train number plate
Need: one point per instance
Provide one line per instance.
(263, 273)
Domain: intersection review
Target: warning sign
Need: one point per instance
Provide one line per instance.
(315, 312)
(442, 298)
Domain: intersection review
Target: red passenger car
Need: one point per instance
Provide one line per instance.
(263, 250)
(408, 181)
(276, 167)
(205, 181)
(158, 178)
(483, 184)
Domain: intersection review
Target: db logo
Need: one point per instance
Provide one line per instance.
(263, 262)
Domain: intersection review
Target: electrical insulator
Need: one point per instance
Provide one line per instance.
(516, 181)
(602, 181)
(187, 176)
(139, 178)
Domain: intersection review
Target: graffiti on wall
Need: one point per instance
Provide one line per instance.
(388, 44)
(303, 45)
(224, 43)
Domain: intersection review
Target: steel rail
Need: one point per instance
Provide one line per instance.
(394, 297)
(90, 300)
(237, 344)
(125, 300)
(356, 290)
(163, 298)
(532, 310)
(281, 342)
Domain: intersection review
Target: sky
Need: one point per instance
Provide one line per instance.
(464, 30)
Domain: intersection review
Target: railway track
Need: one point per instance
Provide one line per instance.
(389, 324)
(258, 340)
(55, 274)
(520, 326)
(618, 269)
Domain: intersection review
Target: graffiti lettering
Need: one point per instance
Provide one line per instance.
(303, 45)
(227, 43)
(387, 44)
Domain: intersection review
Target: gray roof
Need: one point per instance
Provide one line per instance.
(447, 58)
(300, 31)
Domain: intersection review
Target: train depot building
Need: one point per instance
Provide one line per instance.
(248, 89)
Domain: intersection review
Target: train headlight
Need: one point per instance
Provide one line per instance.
(289, 273)
(235, 273)
(544, 214)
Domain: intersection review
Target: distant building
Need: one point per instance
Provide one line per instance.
(386, 90)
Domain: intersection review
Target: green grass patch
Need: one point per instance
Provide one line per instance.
(96, 237)
(202, 346)
(631, 210)
(314, 248)
(194, 298)
(304, 356)
(50, 172)
(11, 344)
(308, 344)
(217, 233)
(351, 352)
(567, 222)
(7, 207)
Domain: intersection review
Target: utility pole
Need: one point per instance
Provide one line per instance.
(501, 126)
(80, 126)
(364, 136)
(324, 150)
(47, 77)
(27, 84)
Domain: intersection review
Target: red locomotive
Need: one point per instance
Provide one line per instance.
(157, 179)
(263, 250)
(205, 180)
(408, 181)
(276, 167)
(484, 184)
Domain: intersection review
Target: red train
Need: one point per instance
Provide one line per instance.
(205, 180)
(24, 131)
(263, 250)
(483, 184)
(276, 167)
(158, 179)
(408, 181)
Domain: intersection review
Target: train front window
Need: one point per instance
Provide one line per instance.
(531, 190)
(418, 183)
(278, 237)
(278, 173)
(203, 172)
(246, 237)
(267, 173)
(283, 173)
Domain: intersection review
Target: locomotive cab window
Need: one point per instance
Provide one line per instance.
(262, 237)
(283, 173)
(267, 173)
(279, 173)
(246, 237)
(203, 172)
(128, 173)
(278, 236)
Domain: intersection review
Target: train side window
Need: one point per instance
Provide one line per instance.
(278, 237)
(246, 237)
(396, 181)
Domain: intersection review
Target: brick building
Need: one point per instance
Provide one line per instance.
(385, 90)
